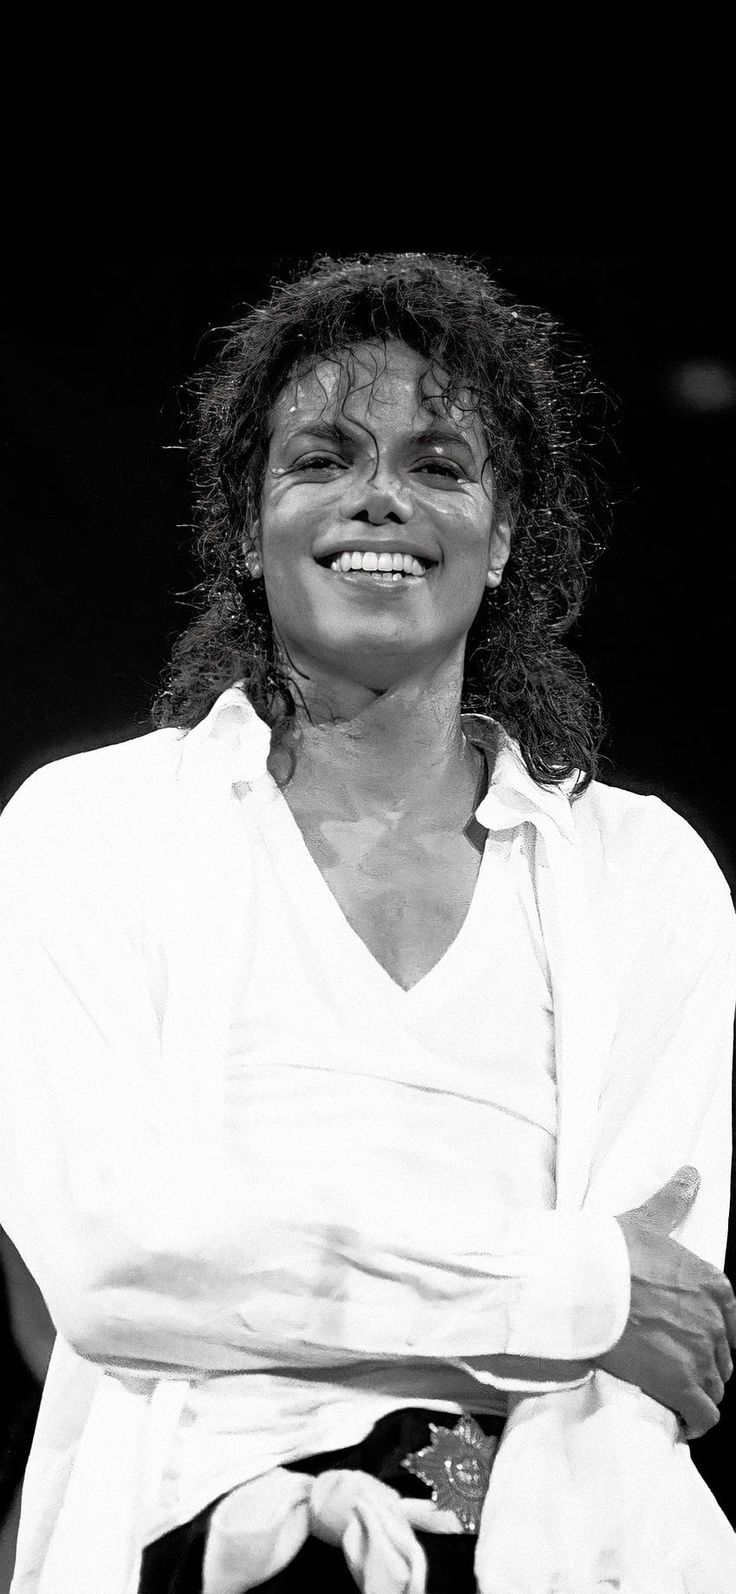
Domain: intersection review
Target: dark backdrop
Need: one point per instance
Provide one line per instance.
(95, 505)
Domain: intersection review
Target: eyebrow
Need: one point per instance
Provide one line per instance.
(329, 431)
(442, 434)
(333, 432)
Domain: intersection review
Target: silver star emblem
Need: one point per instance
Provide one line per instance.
(456, 1465)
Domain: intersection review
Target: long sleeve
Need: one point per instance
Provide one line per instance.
(149, 1247)
(666, 1098)
(611, 1496)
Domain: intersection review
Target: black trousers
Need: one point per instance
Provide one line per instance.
(173, 1564)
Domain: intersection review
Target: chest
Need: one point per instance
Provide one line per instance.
(405, 894)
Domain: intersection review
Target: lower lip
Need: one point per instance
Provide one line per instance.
(370, 580)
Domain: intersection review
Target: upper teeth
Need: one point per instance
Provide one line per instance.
(402, 562)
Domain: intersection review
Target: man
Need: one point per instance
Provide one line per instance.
(358, 1030)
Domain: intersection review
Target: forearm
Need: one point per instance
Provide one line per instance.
(280, 1293)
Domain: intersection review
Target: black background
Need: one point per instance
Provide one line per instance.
(95, 506)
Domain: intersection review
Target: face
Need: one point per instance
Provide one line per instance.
(367, 471)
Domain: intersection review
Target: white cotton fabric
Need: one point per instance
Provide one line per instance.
(373, 1109)
(133, 893)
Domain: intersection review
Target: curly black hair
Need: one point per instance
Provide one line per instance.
(532, 391)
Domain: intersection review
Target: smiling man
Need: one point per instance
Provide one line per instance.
(377, 1054)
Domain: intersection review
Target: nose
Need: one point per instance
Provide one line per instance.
(378, 499)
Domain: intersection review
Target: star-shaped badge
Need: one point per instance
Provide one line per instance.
(456, 1465)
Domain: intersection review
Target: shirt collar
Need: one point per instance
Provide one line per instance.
(513, 795)
(234, 735)
(231, 735)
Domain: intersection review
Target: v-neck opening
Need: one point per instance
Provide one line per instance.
(320, 889)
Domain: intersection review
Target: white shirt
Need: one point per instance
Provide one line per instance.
(322, 1095)
(130, 885)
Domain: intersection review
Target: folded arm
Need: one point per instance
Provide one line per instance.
(666, 1104)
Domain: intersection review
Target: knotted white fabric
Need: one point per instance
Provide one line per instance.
(261, 1526)
(632, 1524)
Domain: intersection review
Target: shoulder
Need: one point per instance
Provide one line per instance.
(648, 851)
(127, 765)
(93, 799)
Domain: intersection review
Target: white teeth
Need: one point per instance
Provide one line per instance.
(388, 564)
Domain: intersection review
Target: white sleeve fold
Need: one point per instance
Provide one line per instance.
(575, 1294)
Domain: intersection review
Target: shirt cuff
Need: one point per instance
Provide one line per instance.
(573, 1303)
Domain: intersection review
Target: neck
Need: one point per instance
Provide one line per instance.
(400, 750)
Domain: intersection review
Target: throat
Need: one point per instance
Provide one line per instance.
(406, 896)
(404, 762)
(394, 818)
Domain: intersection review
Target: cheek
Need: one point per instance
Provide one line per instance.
(289, 571)
(274, 517)
(464, 523)
(286, 506)
(280, 546)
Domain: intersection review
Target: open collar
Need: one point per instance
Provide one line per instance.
(233, 738)
(513, 795)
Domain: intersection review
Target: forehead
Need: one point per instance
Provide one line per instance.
(370, 382)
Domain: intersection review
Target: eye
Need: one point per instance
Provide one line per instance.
(318, 463)
(441, 467)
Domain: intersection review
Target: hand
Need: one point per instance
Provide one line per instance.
(682, 1320)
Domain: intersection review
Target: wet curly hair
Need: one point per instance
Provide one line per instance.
(532, 391)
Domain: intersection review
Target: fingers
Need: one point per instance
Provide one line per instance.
(728, 1307)
(724, 1359)
(669, 1206)
(714, 1387)
(723, 1295)
(699, 1415)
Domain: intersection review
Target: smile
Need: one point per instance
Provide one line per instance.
(387, 568)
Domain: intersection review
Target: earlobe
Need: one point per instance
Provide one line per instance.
(499, 550)
(501, 542)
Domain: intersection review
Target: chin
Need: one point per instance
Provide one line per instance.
(379, 668)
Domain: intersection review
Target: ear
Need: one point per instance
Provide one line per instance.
(251, 537)
(500, 543)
